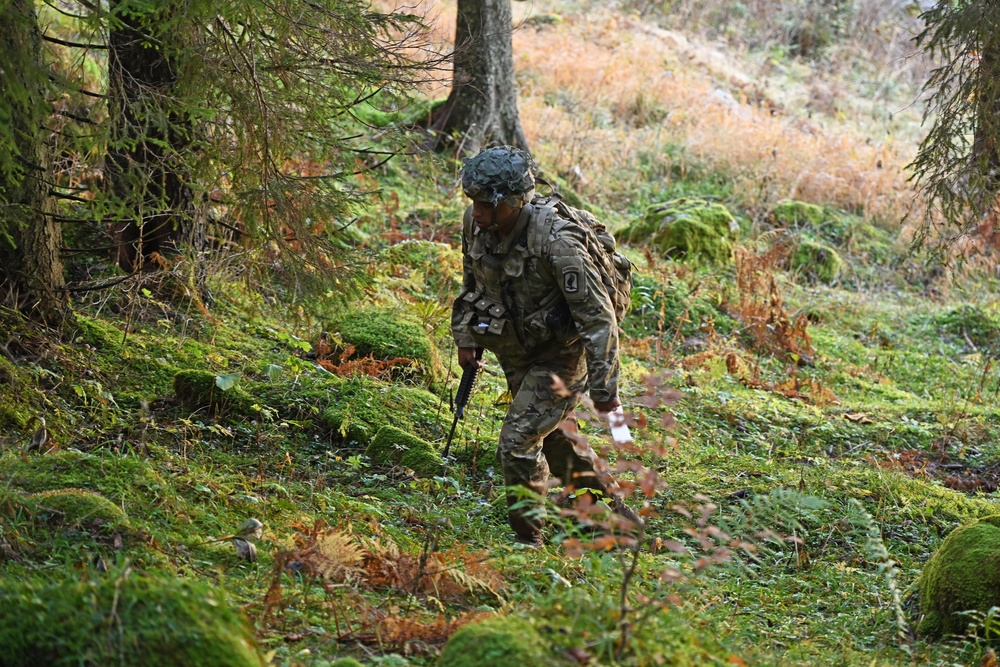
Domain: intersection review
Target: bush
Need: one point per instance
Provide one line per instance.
(124, 619)
(962, 575)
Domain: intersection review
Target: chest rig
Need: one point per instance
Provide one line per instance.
(511, 306)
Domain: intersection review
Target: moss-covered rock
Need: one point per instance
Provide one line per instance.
(362, 405)
(77, 507)
(962, 575)
(793, 213)
(122, 619)
(692, 229)
(501, 641)
(816, 261)
(201, 390)
(394, 446)
(389, 334)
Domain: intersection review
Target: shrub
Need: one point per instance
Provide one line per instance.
(123, 620)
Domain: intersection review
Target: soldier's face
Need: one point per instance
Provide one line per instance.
(499, 217)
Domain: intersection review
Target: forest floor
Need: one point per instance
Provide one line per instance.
(837, 452)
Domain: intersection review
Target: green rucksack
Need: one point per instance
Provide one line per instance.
(615, 268)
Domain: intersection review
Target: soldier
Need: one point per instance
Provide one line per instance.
(542, 313)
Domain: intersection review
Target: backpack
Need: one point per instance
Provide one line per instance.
(615, 268)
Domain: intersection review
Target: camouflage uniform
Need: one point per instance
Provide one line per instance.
(542, 313)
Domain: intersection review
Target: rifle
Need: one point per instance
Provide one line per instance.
(469, 375)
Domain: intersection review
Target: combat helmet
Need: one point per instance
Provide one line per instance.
(499, 175)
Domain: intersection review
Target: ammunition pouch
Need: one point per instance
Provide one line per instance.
(483, 316)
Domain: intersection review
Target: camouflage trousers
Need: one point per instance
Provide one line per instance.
(532, 446)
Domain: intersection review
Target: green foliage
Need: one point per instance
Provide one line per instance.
(691, 229)
(393, 446)
(956, 163)
(962, 575)
(123, 619)
(816, 261)
(501, 641)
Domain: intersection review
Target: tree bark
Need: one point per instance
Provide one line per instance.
(986, 139)
(31, 270)
(482, 106)
(150, 135)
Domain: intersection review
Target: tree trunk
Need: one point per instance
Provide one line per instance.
(149, 137)
(31, 271)
(482, 106)
(986, 140)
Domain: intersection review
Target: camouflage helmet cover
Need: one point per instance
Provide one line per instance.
(499, 175)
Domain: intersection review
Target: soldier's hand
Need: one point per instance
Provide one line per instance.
(606, 406)
(467, 355)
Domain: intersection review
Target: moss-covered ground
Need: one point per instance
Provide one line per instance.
(808, 474)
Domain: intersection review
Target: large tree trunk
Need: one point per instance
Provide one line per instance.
(149, 136)
(31, 271)
(482, 106)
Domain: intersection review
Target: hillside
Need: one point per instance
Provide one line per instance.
(808, 432)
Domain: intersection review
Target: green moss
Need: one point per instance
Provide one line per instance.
(77, 507)
(111, 475)
(501, 641)
(816, 261)
(394, 446)
(389, 334)
(792, 213)
(346, 662)
(15, 412)
(199, 390)
(123, 620)
(362, 405)
(692, 229)
(962, 575)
